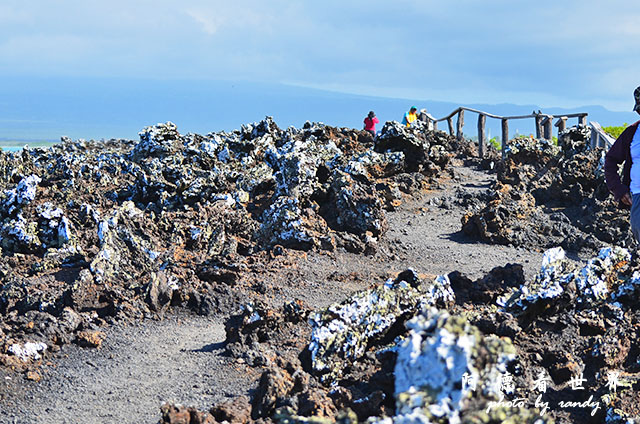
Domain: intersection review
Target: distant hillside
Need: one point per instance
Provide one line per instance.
(45, 109)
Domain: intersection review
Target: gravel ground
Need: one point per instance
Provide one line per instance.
(428, 238)
(179, 359)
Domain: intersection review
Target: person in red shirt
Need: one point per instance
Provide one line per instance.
(370, 124)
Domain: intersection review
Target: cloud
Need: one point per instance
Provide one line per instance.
(538, 52)
(209, 24)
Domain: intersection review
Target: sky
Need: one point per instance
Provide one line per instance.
(550, 53)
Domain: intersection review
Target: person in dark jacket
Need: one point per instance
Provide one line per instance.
(626, 190)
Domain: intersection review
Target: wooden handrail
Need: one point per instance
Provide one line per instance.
(491, 115)
(544, 124)
(449, 115)
(599, 138)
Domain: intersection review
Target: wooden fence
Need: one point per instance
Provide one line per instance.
(599, 138)
(544, 124)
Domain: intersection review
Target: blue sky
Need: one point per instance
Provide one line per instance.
(550, 53)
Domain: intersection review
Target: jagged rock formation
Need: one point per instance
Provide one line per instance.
(468, 361)
(93, 232)
(548, 195)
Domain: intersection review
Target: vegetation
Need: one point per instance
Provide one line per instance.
(615, 131)
(496, 142)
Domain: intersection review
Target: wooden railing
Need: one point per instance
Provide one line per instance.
(544, 124)
(599, 138)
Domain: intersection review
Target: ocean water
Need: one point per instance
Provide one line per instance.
(17, 145)
(94, 108)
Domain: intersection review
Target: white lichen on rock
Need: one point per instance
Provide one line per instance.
(24, 193)
(439, 353)
(28, 351)
(342, 332)
(629, 287)
(373, 164)
(19, 233)
(593, 281)
(546, 285)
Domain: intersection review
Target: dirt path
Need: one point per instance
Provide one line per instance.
(177, 360)
(180, 358)
(427, 237)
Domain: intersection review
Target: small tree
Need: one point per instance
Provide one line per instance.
(615, 131)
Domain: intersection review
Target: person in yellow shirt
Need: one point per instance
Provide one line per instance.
(410, 117)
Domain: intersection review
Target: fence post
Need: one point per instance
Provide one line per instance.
(505, 136)
(561, 124)
(595, 136)
(460, 124)
(582, 120)
(538, 126)
(450, 123)
(548, 128)
(482, 120)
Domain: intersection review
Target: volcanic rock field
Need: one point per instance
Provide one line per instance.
(315, 275)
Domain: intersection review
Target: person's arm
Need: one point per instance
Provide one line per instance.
(376, 120)
(616, 155)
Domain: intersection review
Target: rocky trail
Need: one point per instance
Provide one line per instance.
(314, 275)
(137, 368)
(181, 360)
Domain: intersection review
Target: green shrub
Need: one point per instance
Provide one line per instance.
(615, 131)
(495, 142)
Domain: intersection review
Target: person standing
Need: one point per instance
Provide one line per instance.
(410, 117)
(370, 123)
(626, 190)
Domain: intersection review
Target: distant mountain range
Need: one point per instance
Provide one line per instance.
(43, 109)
